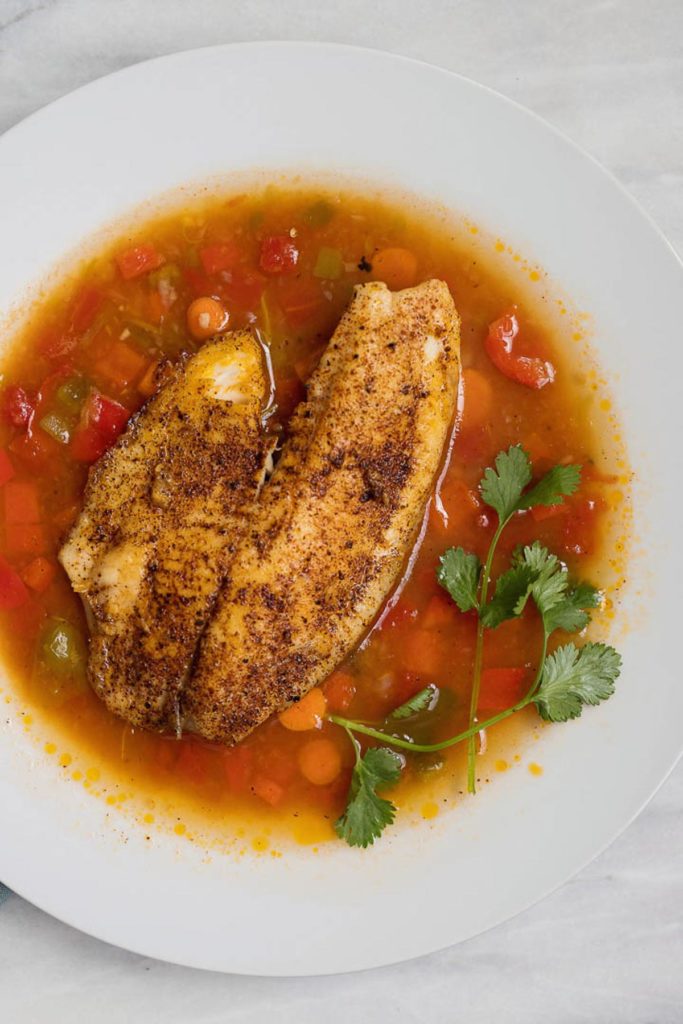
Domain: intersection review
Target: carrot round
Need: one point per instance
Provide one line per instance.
(307, 714)
(320, 762)
(396, 267)
(206, 317)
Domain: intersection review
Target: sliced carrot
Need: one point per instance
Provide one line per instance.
(340, 689)
(268, 790)
(320, 762)
(478, 394)
(501, 688)
(21, 502)
(26, 539)
(308, 713)
(205, 317)
(39, 574)
(395, 266)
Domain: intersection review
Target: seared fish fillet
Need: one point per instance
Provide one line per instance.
(340, 514)
(163, 511)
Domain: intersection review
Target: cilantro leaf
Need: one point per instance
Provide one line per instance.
(459, 573)
(421, 701)
(573, 677)
(501, 487)
(509, 600)
(367, 814)
(558, 482)
(569, 614)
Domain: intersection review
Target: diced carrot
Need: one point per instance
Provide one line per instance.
(541, 512)
(237, 764)
(26, 539)
(21, 502)
(6, 467)
(308, 713)
(39, 574)
(423, 652)
(219, 256)
(149, 382)
(478, 395)
(339, 691)
(13, 593)
(320, 761)
(122, 364)
(155, 307)
(395, 266)
(501, 688)
(268, 790)
(440, 613)
(140, 259)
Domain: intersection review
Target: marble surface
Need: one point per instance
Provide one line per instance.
(609, 945)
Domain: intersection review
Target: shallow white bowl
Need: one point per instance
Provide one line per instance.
(90, 157)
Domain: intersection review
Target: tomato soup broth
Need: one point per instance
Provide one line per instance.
(284, 261)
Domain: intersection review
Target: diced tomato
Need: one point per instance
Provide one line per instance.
(219, 256)
(579, 526)
(55, 344)
(279, 255)
(529, 371)
(244, 289)
(85, 309)
(13, 593)
(542, 512)
(268, 790)
(36, 451)
(39, 574)
(501, 688)
(106, 415)
(6, 467)
(87, 444)
(139, 260)
(455, 506)
(21, 502)
(339, 691)
(26, 539)
(237, 764)
(17, 406)
(198, 283)
(406, 686)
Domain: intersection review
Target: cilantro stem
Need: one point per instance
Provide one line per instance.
(478, 659)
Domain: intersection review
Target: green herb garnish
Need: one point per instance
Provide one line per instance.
(565, 681)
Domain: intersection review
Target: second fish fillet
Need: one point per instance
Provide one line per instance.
(334, 526)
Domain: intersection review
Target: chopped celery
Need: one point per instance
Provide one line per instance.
(72, 393)
(62, 646)
(329, 264)
(169, 272)
(56, 427)
(320, 214)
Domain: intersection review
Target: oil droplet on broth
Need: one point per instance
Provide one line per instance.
(535, 769)
(429, 810)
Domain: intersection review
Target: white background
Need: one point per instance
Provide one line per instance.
(609, 945)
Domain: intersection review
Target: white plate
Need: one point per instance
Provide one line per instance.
(93, 155)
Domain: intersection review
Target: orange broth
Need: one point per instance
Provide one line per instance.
(104, 331)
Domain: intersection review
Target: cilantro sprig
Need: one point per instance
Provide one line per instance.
(566, 680)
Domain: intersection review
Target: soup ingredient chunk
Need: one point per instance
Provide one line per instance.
(340, 514)
(163, 511)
